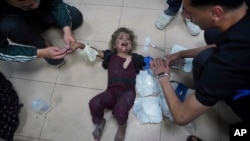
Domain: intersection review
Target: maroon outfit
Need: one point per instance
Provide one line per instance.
(120, 93)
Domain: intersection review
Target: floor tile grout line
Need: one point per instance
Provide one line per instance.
(50, 101)
(75, 86)
(26, 137)
(56, 83)
(11, 77)
(119, 21)
(122, 6)
(12, 69)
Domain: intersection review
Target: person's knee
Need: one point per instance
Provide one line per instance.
(121, 115)
(76, 16)
(92, 104)
(15, 26)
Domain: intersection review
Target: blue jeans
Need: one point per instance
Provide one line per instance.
(173, 7)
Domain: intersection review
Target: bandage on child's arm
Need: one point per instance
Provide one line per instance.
(91, 53)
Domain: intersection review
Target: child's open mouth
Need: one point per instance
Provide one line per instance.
(124, 44)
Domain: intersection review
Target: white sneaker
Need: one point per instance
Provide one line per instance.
(192, 28)
(163, 21)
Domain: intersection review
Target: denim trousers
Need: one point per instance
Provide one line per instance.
(174, 5)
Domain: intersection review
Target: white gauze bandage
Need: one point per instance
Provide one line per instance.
(89, 53)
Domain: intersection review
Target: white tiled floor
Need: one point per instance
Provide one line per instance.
(69, 88)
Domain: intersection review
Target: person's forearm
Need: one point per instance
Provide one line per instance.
(67, 30)
(174, 104)
(182, 112)
(61, 13)
(191, 53)
(41, 53)
(17, 53)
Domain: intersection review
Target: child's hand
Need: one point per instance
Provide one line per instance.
(74, 46)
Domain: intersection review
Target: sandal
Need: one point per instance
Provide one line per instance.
(193, 138)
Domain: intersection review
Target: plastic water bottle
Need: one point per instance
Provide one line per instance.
(190, 127)
(41, 106)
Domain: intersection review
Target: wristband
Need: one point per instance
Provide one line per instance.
(162, 74)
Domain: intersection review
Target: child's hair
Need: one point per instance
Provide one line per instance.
(117, 32)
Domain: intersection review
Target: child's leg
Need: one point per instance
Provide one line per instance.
(97, 133)
(120, 134)
(121, 111)
(97, 105)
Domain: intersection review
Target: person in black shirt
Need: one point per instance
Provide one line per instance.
(221, 69)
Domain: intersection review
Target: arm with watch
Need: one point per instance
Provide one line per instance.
(162, 74)
(182, 112)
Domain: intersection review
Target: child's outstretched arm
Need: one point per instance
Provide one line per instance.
(75, 45)
(99, 54)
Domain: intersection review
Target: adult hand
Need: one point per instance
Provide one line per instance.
(52, 52)
(159, 65)
(172, 58)
(68, 36)
(75, 45)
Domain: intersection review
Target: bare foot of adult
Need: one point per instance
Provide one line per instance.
(120, 134)
(97, 133)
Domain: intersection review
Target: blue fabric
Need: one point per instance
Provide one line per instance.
(181, 91)
(241, 93)
(147, 62)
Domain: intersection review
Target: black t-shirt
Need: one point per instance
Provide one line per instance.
(138, 60)
(227, 72)
(247, 2)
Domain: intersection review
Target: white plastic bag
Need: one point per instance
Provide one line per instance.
(146, 83)
(163, 101)
(190, 127)
(147, 109)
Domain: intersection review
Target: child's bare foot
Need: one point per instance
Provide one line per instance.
(120, 134)
(97, 133)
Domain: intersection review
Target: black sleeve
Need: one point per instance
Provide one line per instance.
(107, 54)
(138, 61)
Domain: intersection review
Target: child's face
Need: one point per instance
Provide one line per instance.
(123, 43)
